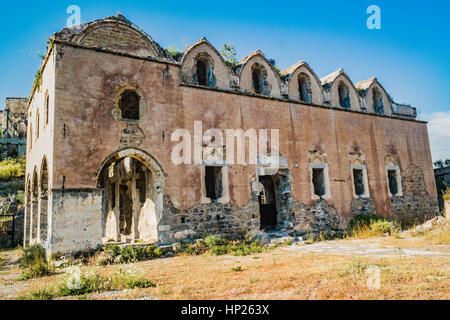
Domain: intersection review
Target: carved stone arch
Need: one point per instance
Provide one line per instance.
(387, 105)
(203, 49)
(333, 81)
(118, 35)
(43, 202)
(245, 74)
(146, 196)
(343, 79)
(303, 69)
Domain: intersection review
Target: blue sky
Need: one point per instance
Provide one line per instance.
(410, 55)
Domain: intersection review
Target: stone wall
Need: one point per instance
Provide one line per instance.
(416, 204)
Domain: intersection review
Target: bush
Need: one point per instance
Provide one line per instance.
(129, 254)
(34, 263)
(12, 168)
(218, 246)
(371, 225)
(446, 194)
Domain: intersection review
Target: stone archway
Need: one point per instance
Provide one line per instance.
(34, 208)
(43, 203)
(27, 227)
(133, 184)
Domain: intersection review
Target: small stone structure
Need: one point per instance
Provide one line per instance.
(101, 136)
(14, 128)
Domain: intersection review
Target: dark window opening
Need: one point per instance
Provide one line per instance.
(378, 102)
(202, 72)
(258, 81)
(304, 90)
(129, 105)
(358, 178)
(393, 186)
(213, 182)
(319, 182)
(344, 97)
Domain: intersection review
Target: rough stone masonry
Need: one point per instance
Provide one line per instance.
(99, 166)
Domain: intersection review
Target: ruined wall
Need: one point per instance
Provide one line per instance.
(76, 221)
(83, 132)
(86, 86)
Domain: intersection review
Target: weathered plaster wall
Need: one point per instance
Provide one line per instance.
(85, 132)
(76, 220)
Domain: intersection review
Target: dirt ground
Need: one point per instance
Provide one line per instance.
(378, 268)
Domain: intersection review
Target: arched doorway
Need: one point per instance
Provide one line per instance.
(133, 184)
(34, 208)
(43, 203)
(27, 228)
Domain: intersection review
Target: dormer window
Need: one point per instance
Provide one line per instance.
(259, 79)
(378, 101)
(129, 105)
(204, 75)
(202, 70)
(304, 89)
(344, 96)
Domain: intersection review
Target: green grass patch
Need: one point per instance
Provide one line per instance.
(34, 263)
(218, 246)
(81, 285)
(130, 254)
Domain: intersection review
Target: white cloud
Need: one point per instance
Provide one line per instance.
(439, 132)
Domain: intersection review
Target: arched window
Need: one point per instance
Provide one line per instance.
(377, 101)
(47, 100)
(259, 79)
(37, 125)
(204, 75)
(304, 89)
(129, 105)
(202, 69)
(344, 96)
(30, 137)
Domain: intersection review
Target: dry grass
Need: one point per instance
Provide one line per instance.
(437, 235)
(281, 275)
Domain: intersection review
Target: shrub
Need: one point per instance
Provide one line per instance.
(34, 263)
(370, 225)
(446, 194)
(218, 246)
(12, 168)
(130, 254)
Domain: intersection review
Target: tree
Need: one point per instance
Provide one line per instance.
(229, 54)
(442, 163)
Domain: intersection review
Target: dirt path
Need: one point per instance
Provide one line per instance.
(374, 248)
(9, 273)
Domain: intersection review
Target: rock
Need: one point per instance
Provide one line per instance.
(176, 247)
(282, 240)
(262, 237)
(169, 255)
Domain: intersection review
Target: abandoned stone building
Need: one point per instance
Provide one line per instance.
(14, 128)
(100, 121)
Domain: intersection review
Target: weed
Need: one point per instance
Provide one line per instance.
(237, 269)
(34, 263)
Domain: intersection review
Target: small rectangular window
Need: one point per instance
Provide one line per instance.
(319, 182)
(393, 185)
(358, 179)
(213, 183)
